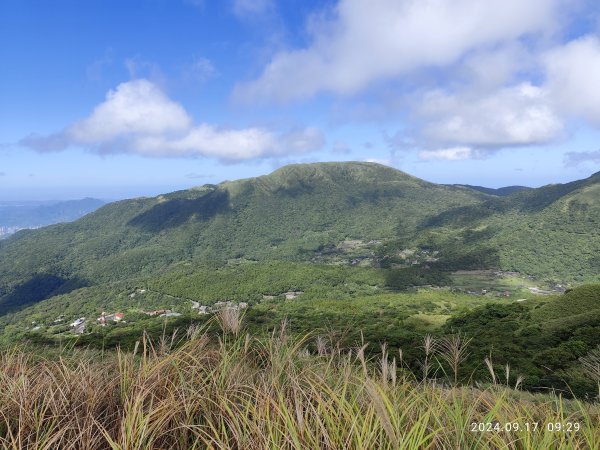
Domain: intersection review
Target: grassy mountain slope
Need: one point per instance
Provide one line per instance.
(288, 214)
(541, 339)
(550, 232)
(501, 192)
(302, 212)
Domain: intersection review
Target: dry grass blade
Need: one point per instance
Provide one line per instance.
(230, 319)
(242, 392)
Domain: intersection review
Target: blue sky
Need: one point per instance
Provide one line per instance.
(121, 98)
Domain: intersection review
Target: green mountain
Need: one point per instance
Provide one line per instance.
(503, 191)
(541, 339)
(551, 232)
(330, 213)
(291, 214)
(333, 249)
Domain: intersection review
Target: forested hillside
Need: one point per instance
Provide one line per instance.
(551, 232)
(291, 214)
(326, 213)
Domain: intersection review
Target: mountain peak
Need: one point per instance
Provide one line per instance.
(357, 171)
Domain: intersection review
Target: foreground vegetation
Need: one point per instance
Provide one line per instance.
(232, 390)
(541, 338)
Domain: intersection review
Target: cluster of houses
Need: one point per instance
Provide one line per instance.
(79, 325)
(115, 317)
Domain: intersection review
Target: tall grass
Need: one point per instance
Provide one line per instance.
(238, 392)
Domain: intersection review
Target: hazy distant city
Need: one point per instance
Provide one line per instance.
(7, 231)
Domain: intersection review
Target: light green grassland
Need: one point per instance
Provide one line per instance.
(496, 283)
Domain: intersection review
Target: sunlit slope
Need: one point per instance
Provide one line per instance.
(285, 215)
(552, 232)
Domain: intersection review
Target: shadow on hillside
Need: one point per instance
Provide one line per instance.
(37, 288)
(175, 212)
(525, 201)
(539, 199)
(295, 188)
(457, 257)
(466, 215)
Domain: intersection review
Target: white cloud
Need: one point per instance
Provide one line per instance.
(486, 117)
(513, 116)
(364, 41)
(573, 72)
(449, 154)
(230, 144)
(496, 67)
(135, 107)
(139, 118)
(208, 141)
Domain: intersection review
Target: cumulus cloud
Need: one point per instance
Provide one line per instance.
(365, 41)
(492, 68)
(137, 117)
(513, 116)
(449, 154)
(136, 107)
(573, 71)
(517, 115)
(230, 144)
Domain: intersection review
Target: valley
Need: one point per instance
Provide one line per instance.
(355, 251)
(299, 225)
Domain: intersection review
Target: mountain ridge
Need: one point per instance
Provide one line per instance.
(300, 213)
